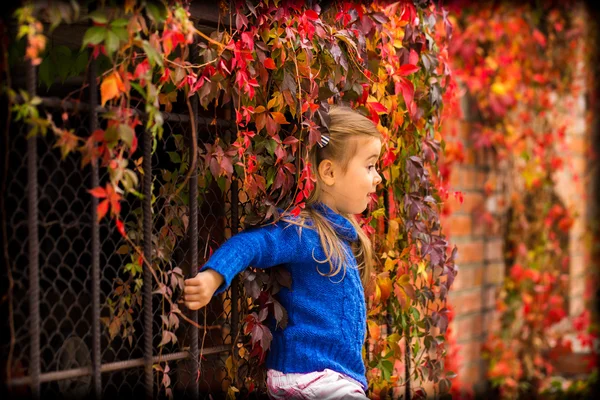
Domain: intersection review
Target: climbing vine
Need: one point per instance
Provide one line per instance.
(273, 65)
(518, 66)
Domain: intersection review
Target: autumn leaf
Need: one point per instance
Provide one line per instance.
(102, 209)
(279, 118)
(111, 87)
(407, 69)
(377, 107)
(269, 63)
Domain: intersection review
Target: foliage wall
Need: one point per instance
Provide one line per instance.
(522, 68)
(272, 63)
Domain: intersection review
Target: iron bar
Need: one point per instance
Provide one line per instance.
(193, 252)
(96, 352)
(58, 103)
(32, 226)
(112, 367)
(236, 280)
(147, 276)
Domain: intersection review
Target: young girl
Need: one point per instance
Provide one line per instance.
(319, 354)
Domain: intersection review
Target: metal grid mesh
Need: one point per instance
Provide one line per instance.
(65, 257)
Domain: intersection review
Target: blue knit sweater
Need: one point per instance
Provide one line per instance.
(326, 315)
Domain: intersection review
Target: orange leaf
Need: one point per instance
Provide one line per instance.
(279, 118)
(98, 192)
(102, 209)
(269, 63)
(374, 330)
(111, 87)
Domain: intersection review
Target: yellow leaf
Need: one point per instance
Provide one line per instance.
(421, 269)
(499, 88)
(390, 264)
(279, 118)
(111, 87)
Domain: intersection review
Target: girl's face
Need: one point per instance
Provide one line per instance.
(349, 191)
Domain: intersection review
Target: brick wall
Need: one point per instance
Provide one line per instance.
(480, 244)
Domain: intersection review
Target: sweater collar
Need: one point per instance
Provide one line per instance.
(339, 223)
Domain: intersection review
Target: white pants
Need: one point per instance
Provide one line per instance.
(325, 385)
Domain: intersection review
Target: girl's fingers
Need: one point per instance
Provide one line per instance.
(191, 289)
(192, 282)
(193, 305)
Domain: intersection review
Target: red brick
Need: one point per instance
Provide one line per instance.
(470, 374)
(491, 321)
(470, 252)
(471, 201)
(494, 250)
(577, 265)
(470, 351)
(489, 297)
(468, 277)
(466, 302)
(494, 273)
(468, 326)
(458, 225)
(578, 145)
(464, 131)
(456, 178)
(576, 305)
(579, 165)
(577, 285)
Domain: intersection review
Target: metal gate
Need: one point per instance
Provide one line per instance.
(64, 269)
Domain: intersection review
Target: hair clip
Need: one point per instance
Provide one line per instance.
(324, 140)
(323, 122)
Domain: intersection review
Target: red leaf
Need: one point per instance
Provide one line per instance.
(378, 107)
(413, 57)
(311, 14)
(121, 227)
(98, 192)
(290, 140)
(407, 69)
(269, 63)
(102, 209)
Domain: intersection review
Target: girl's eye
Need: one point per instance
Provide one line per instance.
(371, 166)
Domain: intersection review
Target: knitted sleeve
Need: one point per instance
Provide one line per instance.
(262, 247)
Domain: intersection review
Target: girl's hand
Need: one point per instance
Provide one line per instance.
(198, 291)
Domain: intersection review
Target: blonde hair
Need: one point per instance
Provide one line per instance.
(346, 125)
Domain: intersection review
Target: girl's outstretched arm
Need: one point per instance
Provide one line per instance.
(262, 247)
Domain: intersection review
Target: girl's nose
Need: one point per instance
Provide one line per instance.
(377, 178)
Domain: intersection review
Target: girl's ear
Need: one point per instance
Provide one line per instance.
(326, 172)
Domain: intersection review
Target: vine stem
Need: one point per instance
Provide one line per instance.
(194, 151)
(11, 283)
(148, 265)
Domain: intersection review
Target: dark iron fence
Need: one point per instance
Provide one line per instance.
(63, 267)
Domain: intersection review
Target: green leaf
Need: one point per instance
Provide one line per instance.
(63, 61)
(94, 35)
(153, 55)
(112, 42)
(98, 17)
(46, 72)
(126, 134)
(122, 33)
(119, 23)
(380, 212)
(156, 11)
(80, 63)
(174, 156)
(138, 88)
